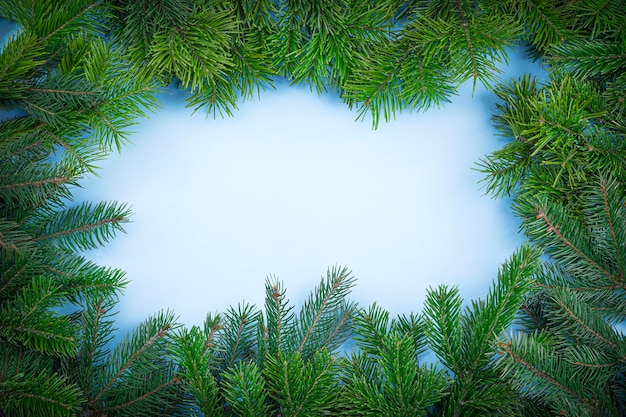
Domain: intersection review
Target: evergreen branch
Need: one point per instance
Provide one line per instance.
(244, 390)
(547, 20)
(332, 292)
(27, 320)
(93, 345)
(607, 211)
(72, 152)
(29, 146)
(173, 380)
(541, 215)
(45, 334)
(322, 374)
(532, 316)
(345, 316)
(390, 75)
(596, 365)
(442, 310)
(13, 275)
(56, 181)
(81, 228)
(106, 120)
(132, 359)
(279, 319)
(48, 62)
(194, 369)
(13, 238)
(33, 105)
(584, 325)
(30, 395)
(208, 344)
(468, 39)
(302, 388)
(193, 50)
(371, 329)
(542, 375)
(36, 297)
(233, 354)
(81, 279)
(71, 20)
(498, 310)
(114, 98)
(589, 59)
(580, 289)
(60, 91)
(237, 338)
(557, 125)
(277, 298)
(20, 55)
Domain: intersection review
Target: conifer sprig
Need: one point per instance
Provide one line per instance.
(466, 341)
(384, 376)
(245, 390)
(139, 375)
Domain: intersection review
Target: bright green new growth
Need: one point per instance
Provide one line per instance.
(544, 340)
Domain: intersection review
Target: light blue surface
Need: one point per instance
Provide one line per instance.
(292, 185)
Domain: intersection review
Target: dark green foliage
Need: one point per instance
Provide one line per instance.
(384, 377)
(565, 169)
(465, 341)
(275, 360)
(561, 139)
(245, 391)
(71, 98)
(303, 387)
(138, 376)
(570, 355)
(77, 74)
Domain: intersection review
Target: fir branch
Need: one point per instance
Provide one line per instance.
(442, 310)
(302, 388)
(134, 357)
(276, 296)
(581, 323)
(56, 181)
(341, 323)
(547, 20)
(532, 316)
(13, 238)
(245, 391)
(618, 245)
(543, 375)
(318, 316)
(208, 344)
(279, 318)
(81, 228)
(149, 394)
(237, 336)
(12, 275)
(71, 20)
(233, 354)
(499, 308)
(371, 329)
(194, 370)
(93, 344)
(61, 91)
(468, 39)
(34, 394)
(542, 215)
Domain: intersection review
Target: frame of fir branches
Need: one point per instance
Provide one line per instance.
(79, 72)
